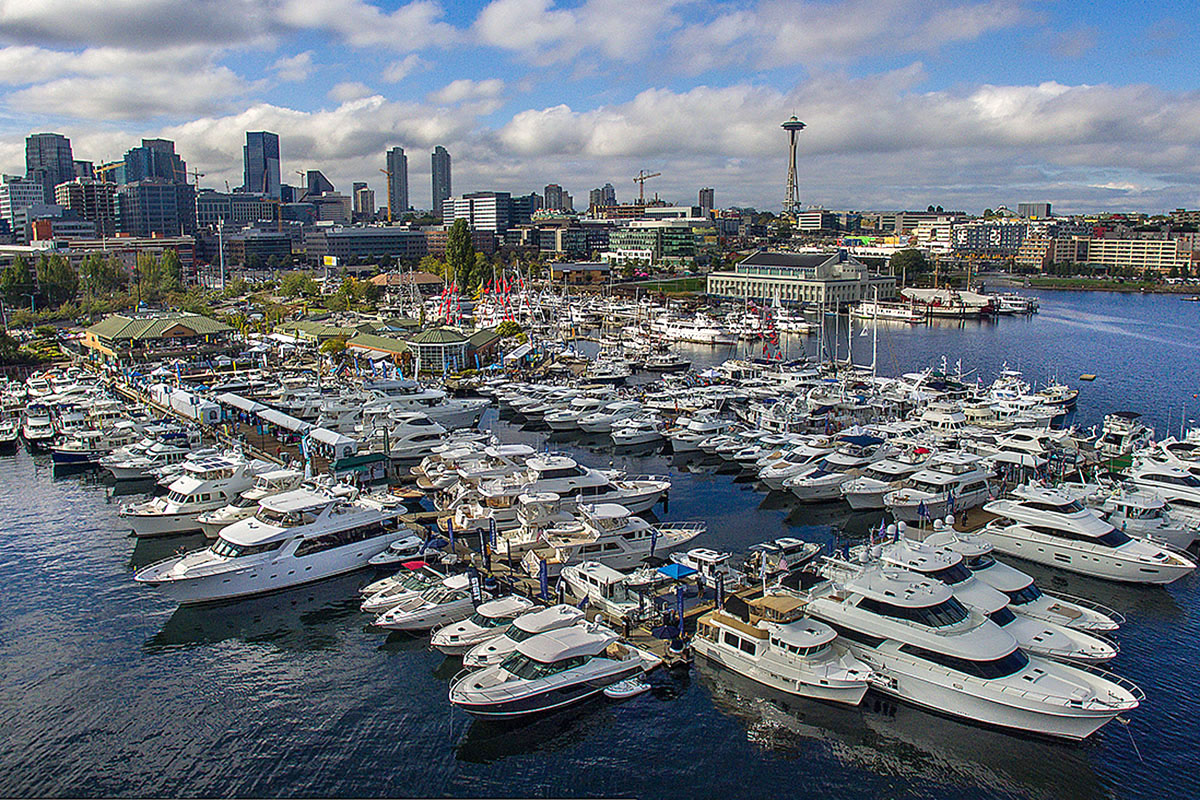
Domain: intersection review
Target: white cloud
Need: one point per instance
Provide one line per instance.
(132, 96)
(414, 26)
(623, 30)
(467, 89)
(401, 69)
(350, 90)
(294, 69)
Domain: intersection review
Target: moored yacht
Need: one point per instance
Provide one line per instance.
(266, 484)
(527, 625)
(296, 537)
(490, 620)
(549, 671)
(950, 482)
(926, 648)
(205, 484)
(1049, 527)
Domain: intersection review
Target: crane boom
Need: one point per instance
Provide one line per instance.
(640, 179)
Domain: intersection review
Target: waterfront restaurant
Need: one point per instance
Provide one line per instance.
(124, 339)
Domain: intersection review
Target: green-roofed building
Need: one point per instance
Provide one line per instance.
(314, 332)
(440, 350)
(134, 338)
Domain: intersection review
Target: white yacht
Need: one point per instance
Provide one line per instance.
(86, 447)
(1139, 512)
(824, 481)
(490, 620)
(1033, 634)
(412, 436)
(138, 465)
(245, 505)
(644, 429)
(529, 624)
(569, 417)
(603, 587)
(866, 491)
(296, 537)
(407, 395)
(439, 605)
(609, 534)
(687, 434)
(789, 463)
(887, 312)
(1023, 594)
(950, 482)
(1178, 486)
(1049, 527)
(38, 428)
(410, 582)
(777, 647)
(1123, 433)
(549, 671)
(700, 328)
(204, 485)
(603, 419)
(925, 647)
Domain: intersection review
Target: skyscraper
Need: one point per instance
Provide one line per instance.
(397, 175)
(364, 200)
(260, 157)
(94, 201)
(608, 195)
(706, 201)
(553, 197)
(155, 159)
(48, 161)
(440, 162)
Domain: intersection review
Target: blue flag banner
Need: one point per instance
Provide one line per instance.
(492, 532)
(679, 606)
(450, 532)
(719, 600)
(544, 580)
(476, 586)
(653, 539)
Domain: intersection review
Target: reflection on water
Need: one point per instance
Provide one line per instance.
(899, 740)
(304, 618)
(155, 548)
(488, 741)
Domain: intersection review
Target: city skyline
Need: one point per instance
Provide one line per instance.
(965, 105)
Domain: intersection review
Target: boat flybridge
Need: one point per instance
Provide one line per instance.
(948, 566)
(950, 482)
(925, 647)
(612, 535)
(527, 625)
(296, 537)
(824, 480)
(875, 480)
(1179, 486)
(204, 484)
(266, 484)
(773, 644)
(1139, 512)
(407, 395)
(1050, 527)
(550, 671)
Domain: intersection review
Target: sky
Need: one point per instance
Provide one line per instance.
(968, 105)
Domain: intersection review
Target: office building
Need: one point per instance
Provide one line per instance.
(663, 239)
(91, 200)
(154, 160)
(1140, 255)
(85, 169)
(993, 238)
(397, 178)
(826, 279)
(706, 201)
(18, 193)
(1033, 210)
(483, 211)
(552, 197)
(232, 208)
(364, 200)
(316, 184)
(260, 159)
(154, 207)
(332, 207)
(440, 163)
(346, 243)
(48, 161)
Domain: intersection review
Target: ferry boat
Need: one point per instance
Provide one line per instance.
(887, 312)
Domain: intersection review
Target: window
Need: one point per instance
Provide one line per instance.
(732, 640)
(1113, 538)
(988, 670)
(1002, 616)
(955, 573)
(855, 635)
(748, 646)
(948, 612)
(339, 539)
(1056, 508)
(524, 667)
(227, 549)
(1019, 597)
(980, 562)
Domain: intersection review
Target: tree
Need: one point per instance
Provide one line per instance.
(460, 252)
(298, 284)
(335, 348)
(170, 272)
(909, 262)
(16, 281)
(433, 265)
(57, 280)
(508, 328)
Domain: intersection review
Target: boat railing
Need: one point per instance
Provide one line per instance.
(683, 527)
(645, 477)
(1091, 605)
(1124, 683)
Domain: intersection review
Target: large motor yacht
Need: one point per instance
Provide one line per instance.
(205, 484)
(549, 671)
(1050, 527)
(824, 481)
(926, 648)
(1123, 432)
(38, 428)
(774, 645)
(86, 447)
(296, 537)
(951, 482)
(1173, 483)
(867, 490)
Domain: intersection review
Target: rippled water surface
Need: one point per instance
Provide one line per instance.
(109, 690)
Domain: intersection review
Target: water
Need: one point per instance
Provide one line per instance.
(109, 690)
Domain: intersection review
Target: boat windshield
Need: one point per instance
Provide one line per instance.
(442, 594)
(1002, 616)
(286, 519)
(520, 634)
(955, 573)
(980, 562)
(481, 621)
(1019, 597)
(948, 612)
(522, 666)
(227, 549)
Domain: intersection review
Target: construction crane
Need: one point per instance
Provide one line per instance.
(103, 168)
(197, 174)
(640, 179)
(388, 172)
